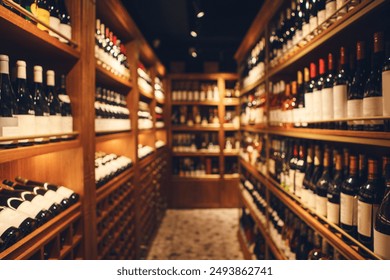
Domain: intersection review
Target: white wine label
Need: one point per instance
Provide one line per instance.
(26, 124)
(29, 209)
(333, 212)
(330, 9)
(308, 107)
(53, 197)
(12, 217)
(299, 176)
(304, 197)
(317, 105)
(312, 200)
(355, 108)
(382, 244)
(340, 101)
(327, 103)
(386, 93)
(55, 124)
(64, 192)
(364, 218)
(291, 186)
(313, 23)
(66, 30)
(41, 125)
(321, 205)
(321, 16)
(67, 124)
(305, 29)
(348, 209)
(55, 24)
(41, 202)
(3, 228)
(373, 106)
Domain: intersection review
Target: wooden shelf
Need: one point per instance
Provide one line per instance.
(232, 101)
(231, 153)
(195, 103)
(102, 137)
(345, 136)
(254, 127)
(8, 155)
(195, 128)
(360, 11)
(39, 237)
(230, 127)
(106, 78)
(145, 131)
(207, 177)
(196, 154)
(231, 176)
(145, 94)
(113, 184)
(264, 232)
(252, 86)
(244, 245)
(204, 76)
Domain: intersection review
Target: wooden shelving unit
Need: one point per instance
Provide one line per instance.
(363, 19)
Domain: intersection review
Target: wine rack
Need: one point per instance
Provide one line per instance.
(327, 37)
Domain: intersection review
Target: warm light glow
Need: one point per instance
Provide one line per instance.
(194, 34)
(194, 54)
(200, 14)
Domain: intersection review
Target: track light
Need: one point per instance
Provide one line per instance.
(193, 33)
(199, 12)
(192, 51)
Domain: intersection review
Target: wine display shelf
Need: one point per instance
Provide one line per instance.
(196, 103)
(102, 137)
(110, 80)
(252, 86)
(45, 241)
(244, 245)
(209, 127)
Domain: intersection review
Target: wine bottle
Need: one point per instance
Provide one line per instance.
(305, 6)
(17, 219)
(61, 190)
(65, 24)
(327, 92)
(299, 18)
(35, 197)
(369, 198)
(316, 252)
(309, 88)
(66, 108)
(304, 243)
(308, 173)
(25, 103)
(333, 204)
(356, 90)
(330, 8)
(386, 87)
(41, 108)
(321, 11)
(26, 207)
(323, 184)
(9, 235)
(315, 177)
(54, 19)
(40, 10)
(55, 119)
(300, 102)
(373, 100)
(348, 198)
(382, 223)
(317, 92)
(340, 88)
(292, 166)
(300, 170)
(313, 16)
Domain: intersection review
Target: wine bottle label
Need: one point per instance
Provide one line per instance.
(67, 124)
(321, 16)
(313, 23)
(64, 98)
(317, 105)
(373, 106)
(321, 205)
(55, 24)
(28, 208)
(305, 29)
(3, 228)
(271, 166)
(355, 108)
(308, 107)
(305, 197)
(386, 93)
(41, 14)
(330, 9)
(55, 124)
(348, 209)
(327, 103)
(340, 101)
(291, 187)
(41, 202)
(299, 176)
(53, 197)
(26, 124)
(12, 217)
(66, 30)
(382, 244)
(364, 224)
(333, 212)
(42, 125)
(64, 192)
(312, 200)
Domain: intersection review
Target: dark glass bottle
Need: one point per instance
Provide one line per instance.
(17, 219)
(315, 177)
(54, 105)
(386, 87)
(323, 184)
(333, 205)
(340, 90)
(54, 20)
(308, 173)
(327, 92)
(65, 21)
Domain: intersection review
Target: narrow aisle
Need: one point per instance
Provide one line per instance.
(197, 234)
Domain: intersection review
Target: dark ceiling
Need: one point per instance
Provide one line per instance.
(221, 29)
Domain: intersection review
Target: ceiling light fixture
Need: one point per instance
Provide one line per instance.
(193, 33)
(192, 51)
(199, 12)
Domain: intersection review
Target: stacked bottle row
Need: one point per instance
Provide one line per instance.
(110, 52)
(159, 144)
(301, 22)
(159, 116)
(195, 115)
(53, 13)
(32, 110)
(330, 95)
(108, 166)
(253, 107)
(144, 150)
(232, 142)
(144, 80)
(231, 117)
(254, 67)
(337, 184)
(159, 89)
(253, 150)
(195, 167)
(194, 91)
(145, 120)
(111, 111)
(195, 142)
(25, 205)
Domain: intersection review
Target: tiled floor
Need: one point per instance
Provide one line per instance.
(197, 234)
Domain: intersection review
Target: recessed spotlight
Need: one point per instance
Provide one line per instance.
(200, 14)
(194, 33)
(192, 51)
